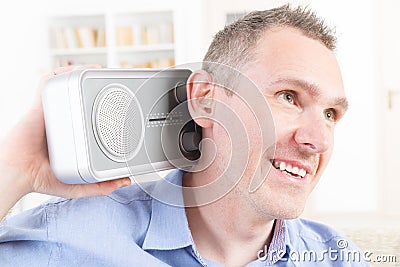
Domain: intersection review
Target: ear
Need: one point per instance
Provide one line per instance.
(200, 95)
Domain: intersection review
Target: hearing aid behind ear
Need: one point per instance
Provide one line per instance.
(104, 124)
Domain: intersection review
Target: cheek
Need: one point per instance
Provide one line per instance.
(325, 158)
(284, 123)
(247, 121)
(253, 130)
(222, 139)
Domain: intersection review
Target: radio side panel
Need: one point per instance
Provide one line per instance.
(59, 129)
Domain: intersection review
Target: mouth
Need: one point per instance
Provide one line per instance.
(293, 169)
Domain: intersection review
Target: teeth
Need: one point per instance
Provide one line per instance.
(290, 169)
(282, 166)
(276, 164)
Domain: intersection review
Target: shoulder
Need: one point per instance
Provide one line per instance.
(124, 204)
(64, 229)
(127, 201)
(127, 211)
(137, 193)
(74, 222)
(83, 222)
(131, 200)
(129, 195)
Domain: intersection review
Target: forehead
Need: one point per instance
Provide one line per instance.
(286, 53)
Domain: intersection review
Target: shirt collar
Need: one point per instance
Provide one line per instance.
(168, 228)
(277, 248)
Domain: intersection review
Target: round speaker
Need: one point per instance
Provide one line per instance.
(118, 122)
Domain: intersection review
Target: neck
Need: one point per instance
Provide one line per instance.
(228, 231)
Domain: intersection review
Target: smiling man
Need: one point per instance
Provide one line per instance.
(287, 55)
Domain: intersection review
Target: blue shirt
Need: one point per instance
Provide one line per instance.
(130, 228)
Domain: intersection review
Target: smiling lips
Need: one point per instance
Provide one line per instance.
(295, 171)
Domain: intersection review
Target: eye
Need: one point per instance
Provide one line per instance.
(330, 115)
(287, 96)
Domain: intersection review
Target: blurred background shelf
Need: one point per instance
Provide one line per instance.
(77, 51)
(113, 39)
(146, 48)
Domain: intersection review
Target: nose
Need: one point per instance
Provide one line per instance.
(314, 134)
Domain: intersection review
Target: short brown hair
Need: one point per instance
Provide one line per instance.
(234, 45)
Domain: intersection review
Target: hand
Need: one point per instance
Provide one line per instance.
(24, 161)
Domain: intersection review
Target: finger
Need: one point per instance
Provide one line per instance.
(61, 70)
(95, 189)
(88, 66)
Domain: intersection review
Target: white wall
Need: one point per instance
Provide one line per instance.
(349, 183)
(388, 47)
(23, 55)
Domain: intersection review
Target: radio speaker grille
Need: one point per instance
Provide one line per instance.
(118, 122)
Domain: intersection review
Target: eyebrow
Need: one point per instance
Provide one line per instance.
(313, 90)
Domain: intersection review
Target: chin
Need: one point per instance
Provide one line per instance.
(292, 214)
(283, 208)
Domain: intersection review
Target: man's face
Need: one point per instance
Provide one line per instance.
(301, 81)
